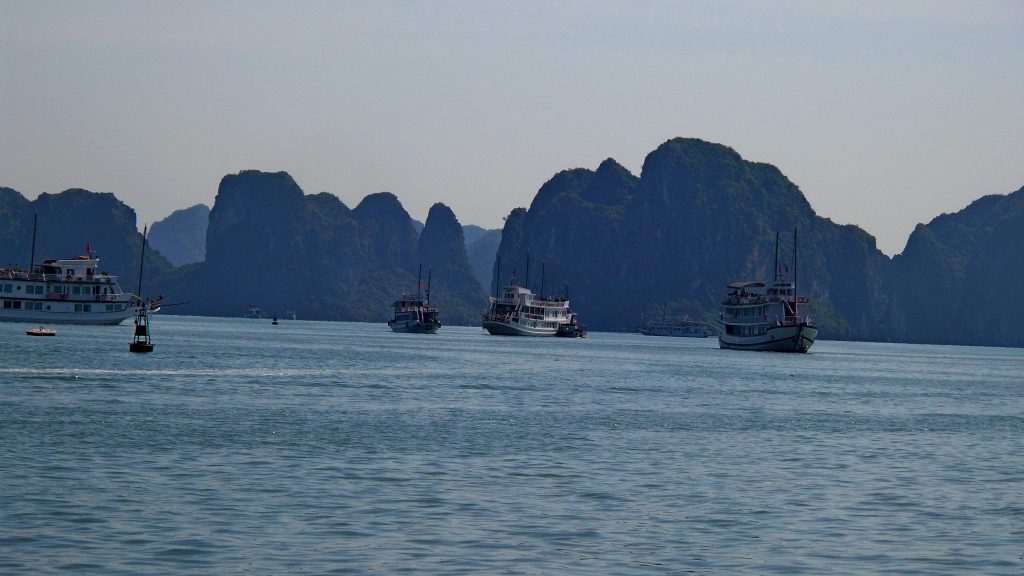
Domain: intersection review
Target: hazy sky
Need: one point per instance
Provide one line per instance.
(885, 114)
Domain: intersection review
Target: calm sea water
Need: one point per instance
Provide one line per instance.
(238, 447)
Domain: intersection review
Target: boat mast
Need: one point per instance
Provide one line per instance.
(776, 255)
(497, 274)
(32, 258)
(794, 272)
(527, 269)
(542, 280)
(419, 278)
(429, 271)
(142, 258)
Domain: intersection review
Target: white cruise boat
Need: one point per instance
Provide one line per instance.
(768, 318)
(683, 328)
(64, 292)
(517, 312)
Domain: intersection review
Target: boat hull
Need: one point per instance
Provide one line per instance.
(413, 327)
(793, 338)
(56, 317)
(499, 328)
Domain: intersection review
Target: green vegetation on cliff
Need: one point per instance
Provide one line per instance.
(698, 218)
(271, 246)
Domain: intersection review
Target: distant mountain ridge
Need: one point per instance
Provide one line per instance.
(181, 237)
(698, 217)
(954, 281)
(68, 224)
(271, 246)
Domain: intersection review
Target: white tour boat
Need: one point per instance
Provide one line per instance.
(683, 328)
(70, 291)
(759, 317)
(518, 312)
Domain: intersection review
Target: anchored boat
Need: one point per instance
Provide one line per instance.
(517, 311)
(759, 317)
(413, 314)
(69, 291)
(683, 328)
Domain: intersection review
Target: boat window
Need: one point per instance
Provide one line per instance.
(16, 304)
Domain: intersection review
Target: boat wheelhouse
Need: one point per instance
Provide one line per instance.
(759, 317)
(69, 291)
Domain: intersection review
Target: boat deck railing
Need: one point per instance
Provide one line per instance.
(38, 277)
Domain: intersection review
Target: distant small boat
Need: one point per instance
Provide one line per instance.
(572, 328)
(274, 321)
(41, 331)
(290, 314)
(253, 312)
(683, 328)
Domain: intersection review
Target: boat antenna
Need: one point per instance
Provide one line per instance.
(794, 271)
(429, 271)
(497, 274)
(142, 258)
(795, 262)
(32, 258)
(419, 278)
(776, 255)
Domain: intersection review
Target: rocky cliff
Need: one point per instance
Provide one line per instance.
(954, 281)
(181, 237)
(697, 218)
(442, 249)
(71, 221)
(271, 246)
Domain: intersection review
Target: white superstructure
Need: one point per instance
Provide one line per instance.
(71, 291)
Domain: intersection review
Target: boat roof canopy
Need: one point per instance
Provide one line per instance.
(741, 285)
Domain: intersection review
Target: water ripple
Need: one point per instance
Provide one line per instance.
(330, 448)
